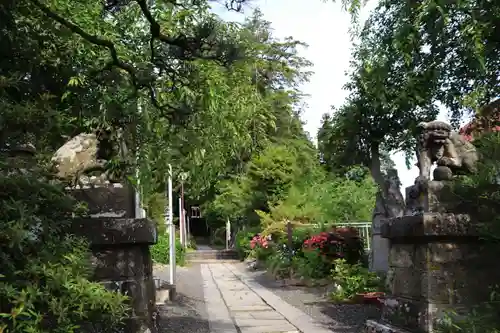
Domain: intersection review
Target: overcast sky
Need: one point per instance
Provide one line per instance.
(324, 27)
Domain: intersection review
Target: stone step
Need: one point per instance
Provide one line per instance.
(212, 255)
(214, 261)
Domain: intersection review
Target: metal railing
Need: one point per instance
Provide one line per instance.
(364, 230)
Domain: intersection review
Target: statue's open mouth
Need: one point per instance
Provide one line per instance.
(440, 135)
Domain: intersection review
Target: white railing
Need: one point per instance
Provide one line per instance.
(364, 230)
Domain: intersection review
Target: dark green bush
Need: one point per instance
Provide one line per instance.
(352, 280)
(242, 241)
(44, 277)
(160, 252)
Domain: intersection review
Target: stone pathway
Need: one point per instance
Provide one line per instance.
(187, 314)
(203, 247)
(235, 303)
(314, 301)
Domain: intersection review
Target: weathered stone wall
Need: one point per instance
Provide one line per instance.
(120, 250)
(437, 262)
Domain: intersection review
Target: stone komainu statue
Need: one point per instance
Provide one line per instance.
(84, 158)
(451, 152)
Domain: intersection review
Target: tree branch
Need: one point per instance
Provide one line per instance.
(155, 28)
(189, 52)
(90, 38)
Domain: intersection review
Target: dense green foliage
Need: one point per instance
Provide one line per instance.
(160, 252)
(280, 177)
(44, 277)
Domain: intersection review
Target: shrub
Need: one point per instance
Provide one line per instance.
(352, 280)
(261, 247)
(45, 272)
(160, 252)
(339, 243)
(299, 236)
(279, 262)
(312, 265)
(321, 250)
(242, 242)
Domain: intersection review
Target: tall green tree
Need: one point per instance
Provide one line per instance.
(386, 99)
(154, 70)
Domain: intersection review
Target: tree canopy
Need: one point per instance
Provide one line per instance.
(221, 102)
(409, 59)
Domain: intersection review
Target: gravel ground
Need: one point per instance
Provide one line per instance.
(340, 318)
(187, 314)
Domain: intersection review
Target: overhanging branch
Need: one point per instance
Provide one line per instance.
(191, 48)
(90, 38)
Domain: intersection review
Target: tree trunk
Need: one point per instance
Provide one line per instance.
(375, 167)
(390, 202)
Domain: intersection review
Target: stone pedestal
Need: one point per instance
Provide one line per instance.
(120, 250)
(379, 252)
(379, 256)
(111, 200)
(437, 263)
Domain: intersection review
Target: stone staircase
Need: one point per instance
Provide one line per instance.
(212, 256)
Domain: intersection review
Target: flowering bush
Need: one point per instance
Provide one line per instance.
(261, 247)
(242, 242)
(338, 243)
(259, 241)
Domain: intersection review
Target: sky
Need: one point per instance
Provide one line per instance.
(324, 26)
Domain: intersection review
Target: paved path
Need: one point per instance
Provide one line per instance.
(187, 314)
(237, 303)
(203, 247)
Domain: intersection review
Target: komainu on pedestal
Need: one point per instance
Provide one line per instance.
(437, 261)
(119, 242)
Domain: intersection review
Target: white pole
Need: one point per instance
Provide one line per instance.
(228, 233)
(188, 225)
(181, 229)
(184, 225)
(171, 227)
(140, 213)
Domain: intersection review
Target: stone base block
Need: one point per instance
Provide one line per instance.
(165, 292)
(110, 200)
(372, 326)
(379, 260)
(116, 232)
